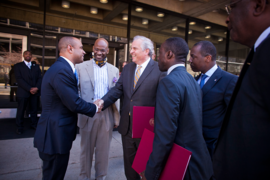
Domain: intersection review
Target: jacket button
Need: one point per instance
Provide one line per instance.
(131, 100)
(92, 98)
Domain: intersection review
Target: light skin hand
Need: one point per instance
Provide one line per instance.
(99, 104)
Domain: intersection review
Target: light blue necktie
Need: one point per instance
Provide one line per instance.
(77, 77)
(203, 80)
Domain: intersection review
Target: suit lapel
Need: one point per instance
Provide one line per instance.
(131, 77)
(110, 76)
(91, 72)
(212, 81)
(145, 73)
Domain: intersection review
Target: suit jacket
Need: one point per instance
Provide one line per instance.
(60, 100)
(27, 78)
(87, 86)
(178, 119)
(242, 150)
(217, 93)
(144, 93)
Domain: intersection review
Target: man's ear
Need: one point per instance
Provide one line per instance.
(69, 49)
(208, 58)
(147, 51)
(169, 54)
(260, 6)
(108, 49)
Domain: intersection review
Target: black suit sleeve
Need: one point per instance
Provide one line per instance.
(65, 87)
(262, 56)
(166, 123)
(229, 90)
(116, 92)
(39, 79)
(21, 82)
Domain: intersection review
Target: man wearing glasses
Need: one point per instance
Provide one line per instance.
(242, 149)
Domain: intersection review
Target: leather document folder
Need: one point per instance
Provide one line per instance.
(143, 117)
(176, 164)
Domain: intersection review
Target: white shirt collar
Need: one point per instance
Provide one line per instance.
(26, 63)
(261, 38)
(211, 71)
(70, 63)
(144, 64)
(173, 67)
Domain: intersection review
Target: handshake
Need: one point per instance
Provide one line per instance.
(100, 104)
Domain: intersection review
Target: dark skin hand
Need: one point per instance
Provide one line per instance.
(142, 175)
(33, 90)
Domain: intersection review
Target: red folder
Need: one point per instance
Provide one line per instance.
(143, 117)
(176, 164)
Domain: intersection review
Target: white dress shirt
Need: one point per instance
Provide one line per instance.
(28, 64)
(101, 80)
(209, 73)
(173, 67)
(261, 38)
(144, 65)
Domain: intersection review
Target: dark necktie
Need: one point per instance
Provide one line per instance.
(203, 80)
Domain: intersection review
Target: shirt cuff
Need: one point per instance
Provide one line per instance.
(96, 108)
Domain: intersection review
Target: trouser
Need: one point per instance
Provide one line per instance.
(22, 103)
(96, 139)
(54, 166)
(130, 147)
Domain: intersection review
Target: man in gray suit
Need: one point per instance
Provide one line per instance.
(138, 85)
(96, 77)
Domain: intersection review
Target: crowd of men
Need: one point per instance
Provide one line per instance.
(222, 119)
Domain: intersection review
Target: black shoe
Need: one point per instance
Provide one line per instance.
(34, 127)
(19, 131)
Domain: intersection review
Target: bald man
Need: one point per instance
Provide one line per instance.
(96, 77)
(57, 126)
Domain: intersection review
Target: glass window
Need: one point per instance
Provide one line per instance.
(10, 53)
(237, 57)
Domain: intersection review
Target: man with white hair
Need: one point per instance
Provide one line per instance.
(138, 85)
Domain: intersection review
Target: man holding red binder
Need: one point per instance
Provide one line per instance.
(137, 85)
(178, 115)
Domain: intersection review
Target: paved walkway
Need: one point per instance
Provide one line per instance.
(20, 160)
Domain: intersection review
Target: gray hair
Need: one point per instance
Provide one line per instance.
(146, 44)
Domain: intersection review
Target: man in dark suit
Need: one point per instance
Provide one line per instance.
(138, 85)
(178, 115)
(242, 149)
(28, 77)
(57, 125)
(217, 87)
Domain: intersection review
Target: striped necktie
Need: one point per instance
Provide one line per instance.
(137, 76)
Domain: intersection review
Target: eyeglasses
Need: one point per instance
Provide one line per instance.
(229, 7)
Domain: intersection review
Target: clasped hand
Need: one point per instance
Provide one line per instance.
(100, 104)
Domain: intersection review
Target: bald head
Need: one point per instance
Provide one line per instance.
(72, 49)
(101, 40)
(100, 49)
(65, 41)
